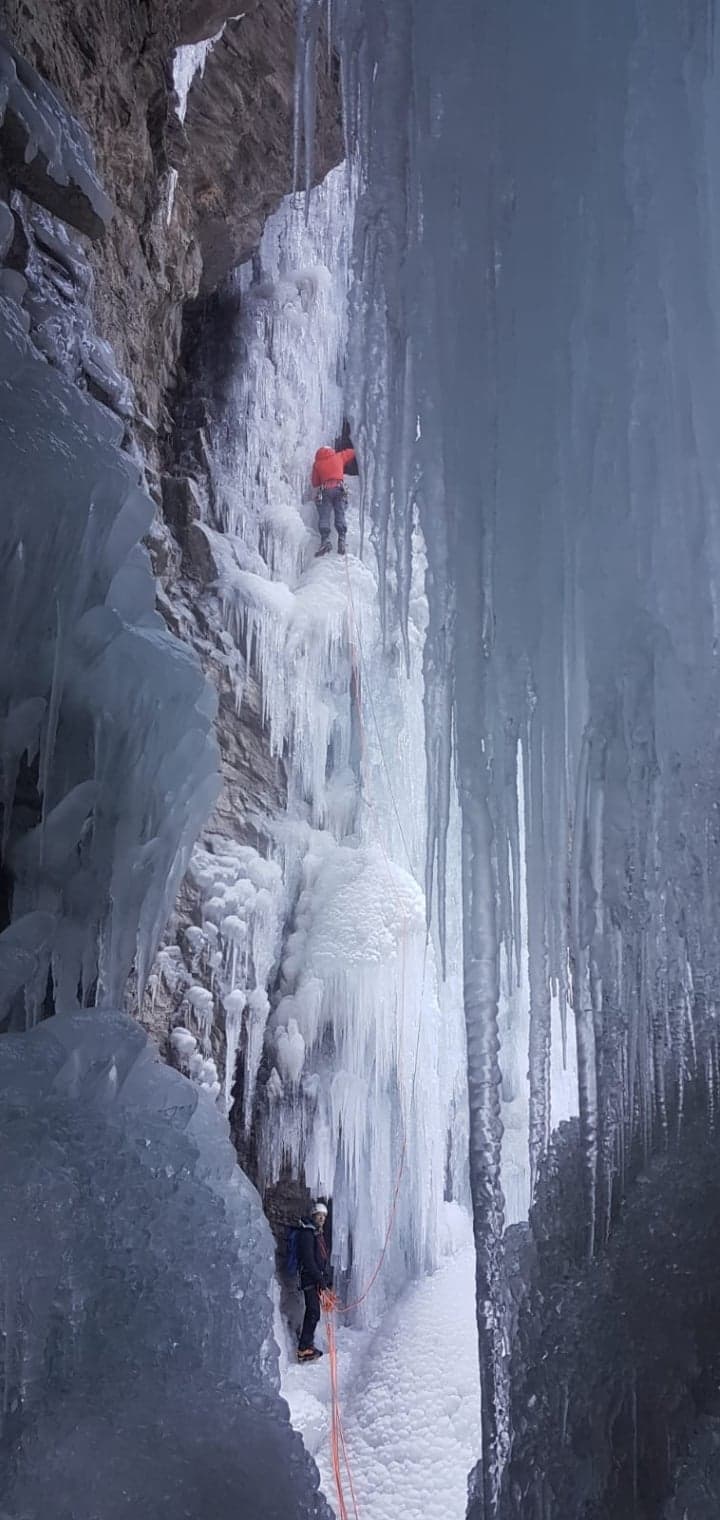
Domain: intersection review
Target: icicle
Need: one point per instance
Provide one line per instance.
(510, 872)
(584, 1025)
(438, 745)
(540, 1013)
(257, 1012)
(481, 1018)
(53, 711)
(308, 23)
(20, 735)
(406, 410)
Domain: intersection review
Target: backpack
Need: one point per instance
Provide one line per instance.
(292, 1258)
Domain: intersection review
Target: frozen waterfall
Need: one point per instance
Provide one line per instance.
(534, 371)
(475, 889)
(353, 1076)
(138, 1367)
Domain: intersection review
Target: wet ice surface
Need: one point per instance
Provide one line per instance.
(409, 1397)
(138, 1363)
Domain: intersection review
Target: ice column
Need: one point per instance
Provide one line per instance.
(538, 216)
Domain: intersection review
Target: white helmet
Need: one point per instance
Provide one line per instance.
(320, 1208)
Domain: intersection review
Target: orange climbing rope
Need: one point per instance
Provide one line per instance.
(337, 1435)
(330, 1303)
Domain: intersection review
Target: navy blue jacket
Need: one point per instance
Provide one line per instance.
(313, 1256)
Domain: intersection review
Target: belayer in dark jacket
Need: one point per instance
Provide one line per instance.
(314, 1258)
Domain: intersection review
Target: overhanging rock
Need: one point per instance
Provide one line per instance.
(45, 152)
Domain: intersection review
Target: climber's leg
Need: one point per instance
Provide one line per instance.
(311, 1320)
(339, 504)
(324, 511)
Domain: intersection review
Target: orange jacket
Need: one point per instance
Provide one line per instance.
(329, 466)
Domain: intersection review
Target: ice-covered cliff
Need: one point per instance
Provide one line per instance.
(315, 960)
(535, 372)
(467, 798)
(138, 1361)
(298, 979)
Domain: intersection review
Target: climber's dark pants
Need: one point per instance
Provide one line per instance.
(331, 501)
(312, 1316)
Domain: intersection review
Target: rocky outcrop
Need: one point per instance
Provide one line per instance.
(203, 18)
(111, 63)
(239, 127)
(188, 200)
(44, 153)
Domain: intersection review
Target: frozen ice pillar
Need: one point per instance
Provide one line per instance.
(137, 1358)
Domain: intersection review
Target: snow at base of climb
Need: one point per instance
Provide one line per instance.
(410, 1395)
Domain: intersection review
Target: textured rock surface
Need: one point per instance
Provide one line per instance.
(239, 127)
(697, 1482)
(112, 63)
(203, 18)
(44, 153)
(615, 1362)
(253, 780)
(189, 200)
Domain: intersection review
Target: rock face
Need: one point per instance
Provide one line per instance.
(111, 63)
(189, 200)
(203, 18)
(45, 153)
(239, 129)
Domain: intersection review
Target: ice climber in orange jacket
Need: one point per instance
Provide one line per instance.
(327, 480)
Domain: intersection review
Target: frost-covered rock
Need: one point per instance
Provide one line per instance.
(138, 1360)
(112, 710)
(171, 189)
(45, 150)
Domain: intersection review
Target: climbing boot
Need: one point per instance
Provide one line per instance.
(341, 545)
(324, 548)
(311, 1355)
